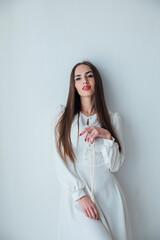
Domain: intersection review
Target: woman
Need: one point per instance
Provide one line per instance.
(89, 148)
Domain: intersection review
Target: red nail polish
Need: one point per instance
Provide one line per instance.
(85, 139)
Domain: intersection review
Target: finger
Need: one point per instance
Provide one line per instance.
(96, 212)
(86, 136)
(89, 129)
(88, 213)
(92, 212)
(84, 130)
(92, 138)
(94, 132)
(90, 132)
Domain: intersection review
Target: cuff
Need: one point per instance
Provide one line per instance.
(78, 194)
(108, 142)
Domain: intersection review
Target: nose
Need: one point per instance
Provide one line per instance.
(85, 79)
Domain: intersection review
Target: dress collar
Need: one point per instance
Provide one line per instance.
(93, 120)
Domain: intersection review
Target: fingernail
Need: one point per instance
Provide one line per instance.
(97, 218)
(85, 139)
(80, 134)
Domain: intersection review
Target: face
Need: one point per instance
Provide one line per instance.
(84, 80)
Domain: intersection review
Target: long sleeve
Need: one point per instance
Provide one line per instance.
(66, 174)
(110, 149)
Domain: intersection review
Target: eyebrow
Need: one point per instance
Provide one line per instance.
(80, 74)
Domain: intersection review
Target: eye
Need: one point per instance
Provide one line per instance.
(77, 79)
(90, 75)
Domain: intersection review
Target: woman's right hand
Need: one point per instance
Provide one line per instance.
(88, 207)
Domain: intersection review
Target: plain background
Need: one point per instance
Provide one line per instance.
(40, 42)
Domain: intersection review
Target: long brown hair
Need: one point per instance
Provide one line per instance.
(73, 106)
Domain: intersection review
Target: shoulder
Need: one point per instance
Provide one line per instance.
(58, 111)
(59, 108)
(115, 118)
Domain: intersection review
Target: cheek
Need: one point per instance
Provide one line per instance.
(93, 83)
(77, 86)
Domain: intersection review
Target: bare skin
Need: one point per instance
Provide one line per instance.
(86, 77)
(88, 207)
(95, 132)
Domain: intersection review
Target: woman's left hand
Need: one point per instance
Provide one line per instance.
(95, 132)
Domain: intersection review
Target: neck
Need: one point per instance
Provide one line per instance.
(87, 105)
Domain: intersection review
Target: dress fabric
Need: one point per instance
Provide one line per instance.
(114, 222)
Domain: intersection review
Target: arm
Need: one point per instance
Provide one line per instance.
(66, 174)
(110, 149)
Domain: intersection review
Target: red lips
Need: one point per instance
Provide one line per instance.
(87, 86)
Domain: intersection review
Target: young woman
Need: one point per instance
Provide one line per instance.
(89, 148)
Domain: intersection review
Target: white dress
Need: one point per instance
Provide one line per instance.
(94, 177)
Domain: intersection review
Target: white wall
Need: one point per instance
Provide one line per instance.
(39, 44)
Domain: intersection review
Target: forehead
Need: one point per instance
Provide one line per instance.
(82, 69)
